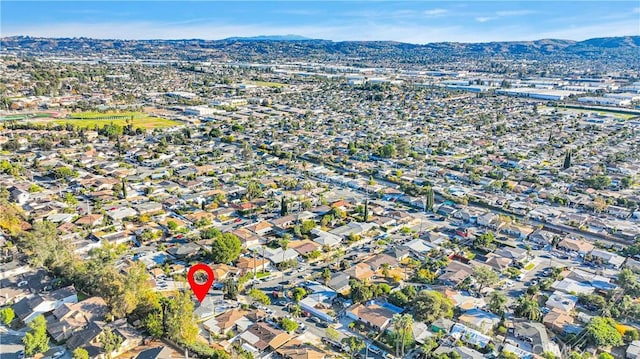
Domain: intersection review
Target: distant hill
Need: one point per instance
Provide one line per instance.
(619, 50)
(269, 38)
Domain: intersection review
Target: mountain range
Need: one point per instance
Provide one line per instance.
(624, 49)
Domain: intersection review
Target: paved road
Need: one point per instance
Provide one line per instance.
(10, 343)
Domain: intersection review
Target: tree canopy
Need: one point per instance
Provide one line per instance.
(225, 248)
(430, 306)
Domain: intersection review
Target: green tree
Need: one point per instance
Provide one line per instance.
(602, 332)
(332, 334)
(628, 281)
(365, 215)
(283, 207)
(326, 276)
(484, 276)
(6, 315)
(259, 296)
(226, 248)
(497, 301)
(598, 181)
(484, 240)
(429, 200)
(295, 310)
(253, 190)
(298, 293)
(528, 308)
(180, 322)
(124, 187)
(355, 345)
(430, 306)
(109, 341)
(388, 151)
(36, 339)
(154, 325)
(567, 160)
(288, 325)
(172, 225)
(307, 226)
(631, 335)
(80, 353)
(605, 355)
(230, 289)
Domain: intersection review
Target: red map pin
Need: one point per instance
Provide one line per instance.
(200, 289)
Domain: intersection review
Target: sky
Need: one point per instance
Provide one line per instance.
(409, 21)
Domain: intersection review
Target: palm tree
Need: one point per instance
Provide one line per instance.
(396, 323)
(406, 323)
(385, 270)
(284, 244)
(295, 311)
(326, 276)
(528, 308)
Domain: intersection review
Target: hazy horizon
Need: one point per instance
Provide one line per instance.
(415, 22)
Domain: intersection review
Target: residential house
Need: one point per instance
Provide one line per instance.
(575, 245)
(248, 238)
(517, 231)
(295, 349)
(480, 320)
(537, 336)
(633, 351)
(234, 320)
(571, 286)
(19, 195)
(355, 228)
(304, 247)
(541, 237)
(558, 321)
(246, 264)
(88, 338)
(454, 273)
(380, 260)
(261, 336)
(262, 228)
(28, 308)
(320, 301)
(278, 255)
(514, 253)
(184, 251)
(161, 352)
(360, 271)
(607, 259)
(339, 282)
(373, 315)
(563, 302)
(325, 238)
(69, 318)
(419, 247)
(498, 263)
(469, 336)
(463, 352)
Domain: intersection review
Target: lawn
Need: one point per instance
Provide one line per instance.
(261, 275)
(530, 266)
(268, 84)
(90, 120)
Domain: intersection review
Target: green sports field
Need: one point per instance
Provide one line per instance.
(92, 119)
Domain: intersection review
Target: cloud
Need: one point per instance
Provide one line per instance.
(485, 18)
(507, 13)
(435, 12)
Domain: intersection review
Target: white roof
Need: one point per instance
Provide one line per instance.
(569, 285)
(419, 245)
